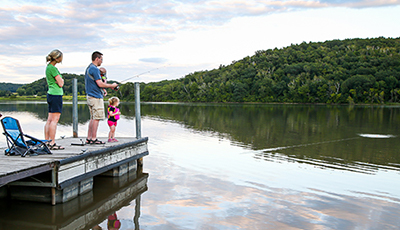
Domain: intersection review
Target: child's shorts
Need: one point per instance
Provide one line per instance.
(111, 123)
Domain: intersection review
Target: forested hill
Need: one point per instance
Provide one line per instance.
(337, 71)
(39, 87)
(8, 88)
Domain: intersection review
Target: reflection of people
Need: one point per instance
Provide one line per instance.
(113, 117)
(54, 97)
(94, 90)
(113, 222)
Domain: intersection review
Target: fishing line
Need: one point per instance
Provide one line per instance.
(144, 73)
(304, 145)
(137, 75)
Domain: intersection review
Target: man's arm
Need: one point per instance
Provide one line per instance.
(101, 84)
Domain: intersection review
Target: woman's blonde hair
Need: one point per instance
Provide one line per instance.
(112, 100)
(53, 55)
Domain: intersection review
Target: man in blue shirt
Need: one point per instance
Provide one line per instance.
(94, 90)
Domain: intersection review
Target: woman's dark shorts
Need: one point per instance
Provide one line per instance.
(55, 103)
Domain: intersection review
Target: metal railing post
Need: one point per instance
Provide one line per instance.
(137, 111)
(75, 107)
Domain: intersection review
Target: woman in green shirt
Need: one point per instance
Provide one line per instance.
(54, 97)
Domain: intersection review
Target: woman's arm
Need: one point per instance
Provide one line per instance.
(59, 81)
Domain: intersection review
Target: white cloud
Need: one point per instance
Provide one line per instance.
(136, 36)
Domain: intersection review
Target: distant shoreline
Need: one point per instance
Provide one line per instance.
(38, 98)
(83, 98)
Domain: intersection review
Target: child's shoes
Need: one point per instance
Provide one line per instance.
(110, 140)
(115, 140)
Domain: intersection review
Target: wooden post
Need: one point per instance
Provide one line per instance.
(53, 196)
(137, 213)
(137, 111)
(75, 107)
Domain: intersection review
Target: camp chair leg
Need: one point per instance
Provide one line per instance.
(26, 152)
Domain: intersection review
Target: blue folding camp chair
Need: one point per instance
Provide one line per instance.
(19, 143)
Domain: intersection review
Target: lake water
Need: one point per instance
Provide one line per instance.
(247, 166)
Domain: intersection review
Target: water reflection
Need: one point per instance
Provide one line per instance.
(314, 132)
(240, 166)
(40, 111)
(96, 209)
(213, 190)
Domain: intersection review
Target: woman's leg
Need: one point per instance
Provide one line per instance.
(46, 128)
(51, 126)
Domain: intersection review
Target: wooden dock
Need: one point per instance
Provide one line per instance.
(68, 173)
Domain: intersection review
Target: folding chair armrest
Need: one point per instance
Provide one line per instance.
(35, 139)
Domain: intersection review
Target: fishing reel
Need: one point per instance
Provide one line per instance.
(116, 88)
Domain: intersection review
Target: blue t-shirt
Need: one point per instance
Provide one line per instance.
(92, 89)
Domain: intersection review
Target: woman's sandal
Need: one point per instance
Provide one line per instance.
(97, 142)
(56, 147)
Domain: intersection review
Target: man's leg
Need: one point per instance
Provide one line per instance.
(90, 127)
(96, 107)
(95, 126)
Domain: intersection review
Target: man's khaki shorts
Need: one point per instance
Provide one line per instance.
(96, 107)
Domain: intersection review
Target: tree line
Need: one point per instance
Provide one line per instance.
(336, 71)
(7, 89)
(39, 87)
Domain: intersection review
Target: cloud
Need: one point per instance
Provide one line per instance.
(151, 32)
(25, 27)
(153, 60)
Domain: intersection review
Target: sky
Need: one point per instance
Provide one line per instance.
(155, 40)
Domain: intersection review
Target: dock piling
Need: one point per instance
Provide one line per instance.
(137, 111)
(75, 107)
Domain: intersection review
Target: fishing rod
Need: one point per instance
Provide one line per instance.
(117, 88)
(144, 73)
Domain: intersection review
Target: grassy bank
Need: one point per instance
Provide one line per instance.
(83, 98)
(38, 98)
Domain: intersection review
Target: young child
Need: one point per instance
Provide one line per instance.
(113, 117)
(103, 74)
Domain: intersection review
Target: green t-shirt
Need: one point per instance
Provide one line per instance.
(51, 73)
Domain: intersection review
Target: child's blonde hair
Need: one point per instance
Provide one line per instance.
(113, 100)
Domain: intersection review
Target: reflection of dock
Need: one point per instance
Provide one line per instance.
(65, 174)
(83, 212)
